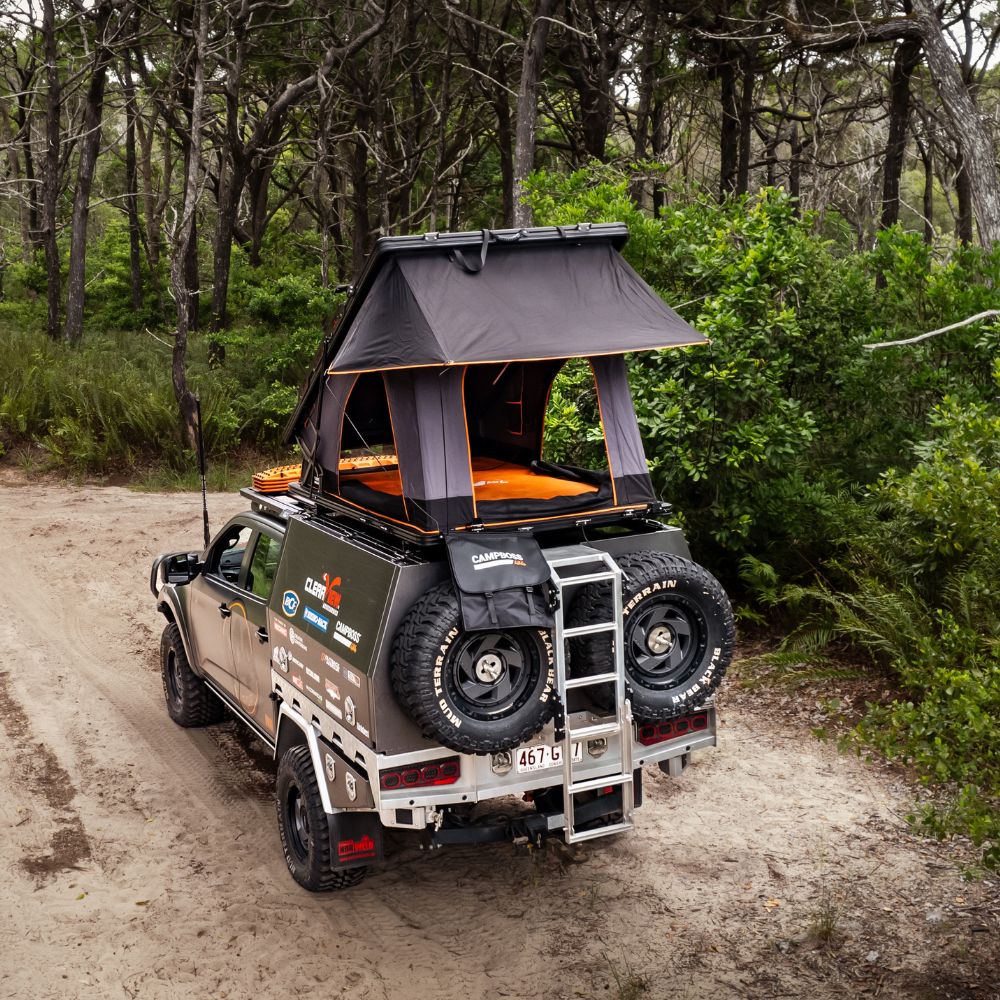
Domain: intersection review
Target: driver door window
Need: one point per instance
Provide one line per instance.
(227, 555)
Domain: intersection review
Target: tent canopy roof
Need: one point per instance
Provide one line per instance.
(507, 295)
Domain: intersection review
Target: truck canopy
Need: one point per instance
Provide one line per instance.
(440, 370)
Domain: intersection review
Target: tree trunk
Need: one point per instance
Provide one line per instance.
(906, 61)
(132, 191)
(90, 146)
(647, 86)
(927, 155)
(795, 166)
(748, 69)
(964, 123)
(527, 107)
(50, 168)
(185, 236)
(231, 188)
(964, 194)
(729, 132)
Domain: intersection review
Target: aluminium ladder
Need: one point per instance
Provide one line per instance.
(619, 722)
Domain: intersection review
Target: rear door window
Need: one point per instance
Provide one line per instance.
(263, 566)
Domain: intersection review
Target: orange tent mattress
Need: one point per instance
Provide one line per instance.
(492, 480)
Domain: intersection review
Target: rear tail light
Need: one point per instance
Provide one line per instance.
(438, 772)
(672, 729)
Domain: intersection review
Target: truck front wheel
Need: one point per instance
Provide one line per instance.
(302, 824)
(189, 702)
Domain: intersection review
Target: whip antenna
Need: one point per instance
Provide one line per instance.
(201, 469)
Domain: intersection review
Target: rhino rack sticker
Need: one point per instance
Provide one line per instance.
(315, 619)
(290, 603)
(332, 691)
(326, 591)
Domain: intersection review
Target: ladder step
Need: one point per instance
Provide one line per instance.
(601, 831)
(603, 577)
(596, 784)
(570, 633)
(592, 732)
(587, 681)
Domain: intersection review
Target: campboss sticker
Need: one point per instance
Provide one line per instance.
(347, 636)
(490, 560)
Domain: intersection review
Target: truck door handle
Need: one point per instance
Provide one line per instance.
(262, 634)
(224, 611)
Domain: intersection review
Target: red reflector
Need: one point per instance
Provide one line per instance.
(659, 732)
(439, 772)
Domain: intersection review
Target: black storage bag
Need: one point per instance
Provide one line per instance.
(502, 581)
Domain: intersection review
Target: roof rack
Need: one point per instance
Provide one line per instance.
(278, 505)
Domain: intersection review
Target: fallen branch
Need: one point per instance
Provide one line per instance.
(934, 333)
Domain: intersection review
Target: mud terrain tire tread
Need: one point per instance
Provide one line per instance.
(317, 874)
(194, 705)
(588, 655)
(415, 648)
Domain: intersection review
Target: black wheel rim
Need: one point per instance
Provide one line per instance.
(490, 675)
(174, 677)
(664, 642)
(297, 821)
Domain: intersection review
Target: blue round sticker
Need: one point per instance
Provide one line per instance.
(290, 603)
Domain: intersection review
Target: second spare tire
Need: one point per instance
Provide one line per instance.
(474, 691)
(679, 634)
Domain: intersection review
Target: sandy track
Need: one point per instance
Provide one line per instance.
(142, 860)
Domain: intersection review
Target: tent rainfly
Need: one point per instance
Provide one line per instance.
(427, 404)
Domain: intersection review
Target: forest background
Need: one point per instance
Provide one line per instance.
(186, 187)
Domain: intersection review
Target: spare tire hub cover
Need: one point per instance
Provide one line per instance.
(665, 639)
(491, 673)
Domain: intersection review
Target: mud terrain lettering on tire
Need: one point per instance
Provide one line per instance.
(679, 634)
(475, 692)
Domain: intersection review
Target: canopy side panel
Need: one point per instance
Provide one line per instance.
(621, 431)
(329, 416)
(389, 331)
(555, 300)
(428, 417)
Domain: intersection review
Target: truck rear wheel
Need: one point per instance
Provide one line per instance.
(475, 692)
(679, 634)
(189, 702)
(302, 824)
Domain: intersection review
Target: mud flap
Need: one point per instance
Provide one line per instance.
(355, 839)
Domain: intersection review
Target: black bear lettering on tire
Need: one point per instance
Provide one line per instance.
(475, 692)
(679, 634)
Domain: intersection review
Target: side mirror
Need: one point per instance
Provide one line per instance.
(183, 567)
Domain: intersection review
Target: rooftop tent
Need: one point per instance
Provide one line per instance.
(427, 404)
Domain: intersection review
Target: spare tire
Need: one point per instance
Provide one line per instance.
(679, 634)
(475, 692)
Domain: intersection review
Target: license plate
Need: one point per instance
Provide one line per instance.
(542, 756)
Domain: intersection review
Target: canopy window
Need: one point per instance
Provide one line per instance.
(443, 448)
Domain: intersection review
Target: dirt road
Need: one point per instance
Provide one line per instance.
(142, 860)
